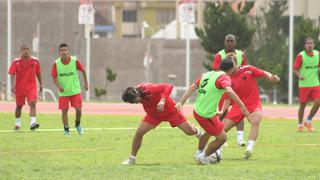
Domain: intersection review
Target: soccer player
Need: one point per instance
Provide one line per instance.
(242, 78)
(210, 87)
(230, 47)
(23, 73)
(65, 77)
(306, 68)
(159, 106)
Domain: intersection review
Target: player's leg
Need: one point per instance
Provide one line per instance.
(143, 128)
(32, 101)
(315, 96)
(256, 117)
(20, 101)
(240, 134)
(303, 98)
(78, 120)
(64, 106)
(33, 121)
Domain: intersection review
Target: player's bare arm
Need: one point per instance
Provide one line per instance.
(160, 105)
(185, 96)
(13, 82)
(297, 73)
(86, 86)
(271, 77)
(40, 82)
(55, 80)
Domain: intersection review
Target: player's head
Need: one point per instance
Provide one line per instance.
(64, 51)
(230, 42)
(309, 44)
(227, 65)
(131, 95)
(25, 50)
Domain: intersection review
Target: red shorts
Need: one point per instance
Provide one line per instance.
(212, 126)
(236, 115)
(75, 100)
(175, 118)
(21, 97)
(309, 94)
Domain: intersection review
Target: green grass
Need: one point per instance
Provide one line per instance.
(280, 152)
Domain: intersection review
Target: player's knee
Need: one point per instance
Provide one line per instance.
(191, 131)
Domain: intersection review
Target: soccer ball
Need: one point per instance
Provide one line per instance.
(214, 158)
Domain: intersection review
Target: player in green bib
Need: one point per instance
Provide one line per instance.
(306, 68)
(210, 87)
(65, 77)
(230, 44)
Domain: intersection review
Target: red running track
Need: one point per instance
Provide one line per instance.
(136, 109)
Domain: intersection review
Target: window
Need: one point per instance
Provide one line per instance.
(129, 16)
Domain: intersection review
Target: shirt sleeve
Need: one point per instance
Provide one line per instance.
(197, 82)
(13, 68)
(244, 59)
(297, 62)
(223, 81)
(38, 68)
(216, 62)
(79, 66)
(54, 71)
(256, 72)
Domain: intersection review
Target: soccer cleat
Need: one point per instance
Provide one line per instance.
(66, 133)
(34, 126)
(247, 154)
(197, 154)
(308, 126)
(241, 143)
(201, 159)
(79, 130)
(129, 162)
(300, 129)
(17, 127)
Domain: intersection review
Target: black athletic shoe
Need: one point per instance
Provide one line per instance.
(34, 126)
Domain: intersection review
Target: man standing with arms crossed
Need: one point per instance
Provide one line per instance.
(23, 72)
(306, 68)
(65, 77)
(230, 47)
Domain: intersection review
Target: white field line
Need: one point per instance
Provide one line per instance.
(72, 129)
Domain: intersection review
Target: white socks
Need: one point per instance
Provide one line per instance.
(18, 122)
(308, 120)
(250, 145)
(33, 120)
(132, 157)
(240, 136)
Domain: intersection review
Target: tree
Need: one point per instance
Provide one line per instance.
(220, 19)
(110, 76)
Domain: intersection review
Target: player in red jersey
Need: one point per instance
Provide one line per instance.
(243, 78)
(306, 68)
(230, 47)
(159, 106)
(23, 73)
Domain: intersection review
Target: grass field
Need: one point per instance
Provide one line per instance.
(166, 153)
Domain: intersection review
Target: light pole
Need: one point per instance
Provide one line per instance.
(9, 48)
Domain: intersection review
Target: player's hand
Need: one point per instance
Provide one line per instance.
(160, 105)
(178, 106)
(275, 78)
(40, 88)
(301, 78)
(219, 113)
(86, 87)
(13, 89)
(61, 89)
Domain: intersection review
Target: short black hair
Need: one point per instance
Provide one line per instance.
(226, 64)
(63, 45)
(130, 94)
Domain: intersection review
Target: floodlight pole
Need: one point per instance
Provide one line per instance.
(87, 35)
(291, 21)
(9, 47)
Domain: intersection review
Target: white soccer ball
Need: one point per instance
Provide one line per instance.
(214, 158)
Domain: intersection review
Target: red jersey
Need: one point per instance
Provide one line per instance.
(298, 61)
(154, 93)
(245, 85)
(217, 61)
(54, 68)
(25, 71)
(222, 81)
